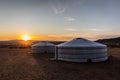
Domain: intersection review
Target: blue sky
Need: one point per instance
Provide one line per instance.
(59, 19)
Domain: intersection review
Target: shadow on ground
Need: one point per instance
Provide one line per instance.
(61, 70)
(20, 64)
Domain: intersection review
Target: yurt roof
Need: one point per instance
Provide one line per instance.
(81, 42)
(43, 43)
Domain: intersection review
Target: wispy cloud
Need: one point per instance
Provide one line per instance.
(69, 19)
(72, 36)
(71, 29)
(60, 37)
(58, 10)
(58, 6)
(94, 29)
(101, 36)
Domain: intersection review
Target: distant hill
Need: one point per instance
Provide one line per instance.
(15, 43)
(22, 44)
(112, 42)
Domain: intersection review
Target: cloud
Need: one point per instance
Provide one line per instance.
(58, 6)
(70, 36)
(94, 29)
(71, 29)
(105, 36)
(60, 37)
(69, 19)
(58, 10)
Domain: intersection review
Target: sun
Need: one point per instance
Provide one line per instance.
(26, 37)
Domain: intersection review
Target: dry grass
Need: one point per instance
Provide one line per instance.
(19, 64)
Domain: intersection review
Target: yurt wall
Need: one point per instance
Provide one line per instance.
(81, 50)
(43, 47)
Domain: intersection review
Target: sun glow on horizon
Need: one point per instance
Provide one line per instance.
(25, 37)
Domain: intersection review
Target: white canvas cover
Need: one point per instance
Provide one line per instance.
(81, 50)
(43, 43)
(43, 47)
(80, 42)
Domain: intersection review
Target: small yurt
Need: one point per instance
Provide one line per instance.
(81, 50)
(43, 47)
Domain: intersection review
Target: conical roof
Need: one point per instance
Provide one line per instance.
(81, 42)
(43, 43)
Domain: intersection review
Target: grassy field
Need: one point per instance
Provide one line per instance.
(20, 64)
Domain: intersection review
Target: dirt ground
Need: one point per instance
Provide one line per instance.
(20, 64)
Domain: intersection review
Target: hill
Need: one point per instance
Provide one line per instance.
(111, 42)
(22, 44)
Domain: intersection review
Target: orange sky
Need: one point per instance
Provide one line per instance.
(50, 37)
(55, 37)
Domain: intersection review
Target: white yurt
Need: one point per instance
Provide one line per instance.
(81, 50)
(43, 47)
